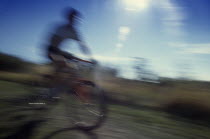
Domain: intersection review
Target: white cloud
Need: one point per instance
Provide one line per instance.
(124, 29)
(131, 9)
(173, 17)
(178, 45)
(200, 50)
(119, 45)
(193, 48)
(123, 33)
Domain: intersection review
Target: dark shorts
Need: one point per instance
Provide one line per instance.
(52, 50)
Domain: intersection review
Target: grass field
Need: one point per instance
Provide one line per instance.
(151, 94)
(123, 121)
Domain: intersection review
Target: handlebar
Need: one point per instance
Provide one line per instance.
(72, 57)
(82, 60)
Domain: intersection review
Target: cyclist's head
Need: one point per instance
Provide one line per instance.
(72, 15)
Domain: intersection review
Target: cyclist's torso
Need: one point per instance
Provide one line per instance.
(54, 52)
(62, 33)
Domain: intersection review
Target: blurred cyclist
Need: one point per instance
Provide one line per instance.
(58, 56)
(63, 32)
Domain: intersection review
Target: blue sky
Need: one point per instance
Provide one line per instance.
(168, 33)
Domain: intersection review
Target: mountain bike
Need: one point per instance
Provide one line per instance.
(82, 99)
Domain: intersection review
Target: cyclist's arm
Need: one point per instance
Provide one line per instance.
(83, 47)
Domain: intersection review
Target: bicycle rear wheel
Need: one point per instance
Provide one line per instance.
(87, 106)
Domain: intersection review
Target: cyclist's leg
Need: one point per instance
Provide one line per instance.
(58, 62)
(83, 92)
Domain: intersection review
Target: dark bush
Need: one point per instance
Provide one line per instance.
(191, 110)
(11, 63)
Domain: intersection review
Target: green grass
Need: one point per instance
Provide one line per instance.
(154, 124)
(137, 92)
(22, 78)
(157, 95)
(11, 89)
(157, 124)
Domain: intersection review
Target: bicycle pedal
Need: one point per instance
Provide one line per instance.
(56, 97)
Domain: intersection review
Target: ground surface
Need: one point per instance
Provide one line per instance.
(123, 122)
